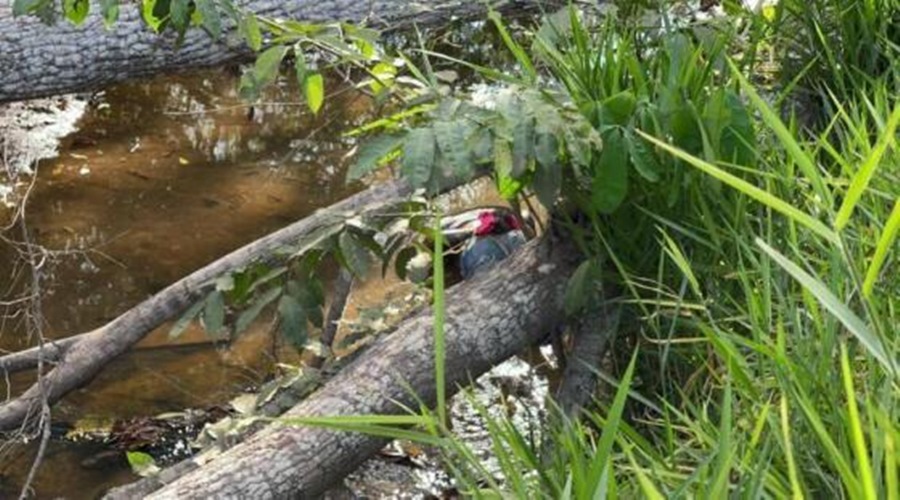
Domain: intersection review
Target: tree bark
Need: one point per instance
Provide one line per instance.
(489, 319)
(88, 353)
(40, 60)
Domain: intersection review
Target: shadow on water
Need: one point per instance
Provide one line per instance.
(161, 178)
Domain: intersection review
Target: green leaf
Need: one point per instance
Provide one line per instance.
(76, 11)
(580, 287)
(185, 319)
(110, 11)
(610, 183)
(418, 156)
(141, 463)
(750, 190)
(209, 17)
(22, 7)
(518, 52)
(293, 321)
(847, 317)
(402, 261)
(737, 143)
(642, 157)
(180, 14)
(148, 12)
(523, 145)
(548, 173)
(503, 158)
(253, 311)
(885, 243)
(354, 253)
(372, 153)
(805, 161)
(618, 109)
(214, 313)
(265, 71)
(452, 137)
(314, 90)
(250, 27)
(867, 170)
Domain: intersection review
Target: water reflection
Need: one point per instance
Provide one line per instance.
(161, 178)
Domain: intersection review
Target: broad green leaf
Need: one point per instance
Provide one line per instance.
(141, 463)
(580, 287)
(314, 91)
(737, 142)
(547, 179)
(209, 17)
(76, 11)
(867, 170)
(22, 7)
(642, 157)
(252, 32)
(265, 71)
(848, 318)
(180, 14)
(311, 298)
(503, 158)
(452, 139)
(885, 244)
(610, 183)
(214, 313)
(509, 187)
(186, 318)
(110, 11)
(149, 14)
(293, 321)
(372, 153)
(618, 109)
(685, 130)
(418, 156)
(250, 314)
(523, 145)
(750, 190)
(355, 255)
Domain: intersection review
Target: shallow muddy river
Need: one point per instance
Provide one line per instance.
(160, 178)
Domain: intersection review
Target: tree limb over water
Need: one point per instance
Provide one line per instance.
(40, 60)
(81, 357)
(489, 319)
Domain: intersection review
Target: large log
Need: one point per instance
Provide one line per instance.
(40, 60)
(489, 319)
(82, 357)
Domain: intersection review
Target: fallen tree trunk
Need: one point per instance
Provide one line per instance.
(489, 319)
(82, 357)
(40, 60)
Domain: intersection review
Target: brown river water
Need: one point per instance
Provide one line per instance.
(162, 177)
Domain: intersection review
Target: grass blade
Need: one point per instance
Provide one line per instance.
(856, 431)
(748, 189)
(867, 170)
(848, 318)
(439, 340)
(803, 159)
(885, 243)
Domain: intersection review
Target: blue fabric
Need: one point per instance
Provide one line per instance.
(483, 251)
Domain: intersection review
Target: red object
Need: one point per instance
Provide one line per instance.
(486, 223)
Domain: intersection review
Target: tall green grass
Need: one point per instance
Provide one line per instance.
(761, 272)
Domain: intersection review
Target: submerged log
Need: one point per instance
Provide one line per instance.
(40, 60)
(81, 357)
(489, 319)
